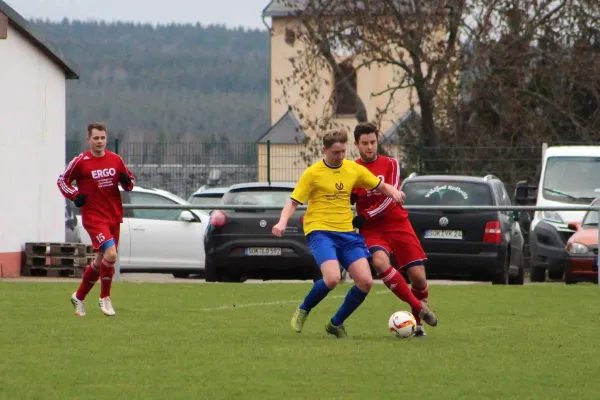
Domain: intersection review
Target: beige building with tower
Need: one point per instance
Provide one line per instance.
(286, 137)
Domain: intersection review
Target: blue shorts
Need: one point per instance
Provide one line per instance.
(345, 247)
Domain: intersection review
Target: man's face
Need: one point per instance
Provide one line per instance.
(367, 146)
(335, 154)
(97, 141)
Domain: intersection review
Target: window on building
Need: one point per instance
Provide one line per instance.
(345, 102)
(290, 36)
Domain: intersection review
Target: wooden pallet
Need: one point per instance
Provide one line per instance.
(52, 272)
(57, 249)
(57, 261)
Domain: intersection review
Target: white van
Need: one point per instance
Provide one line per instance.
(570, 175)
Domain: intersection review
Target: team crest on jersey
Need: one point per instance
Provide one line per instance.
(339, 186)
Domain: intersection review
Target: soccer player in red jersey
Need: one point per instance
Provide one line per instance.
(387, 229)
(98, 172)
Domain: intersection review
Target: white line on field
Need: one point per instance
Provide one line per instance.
(275, 303)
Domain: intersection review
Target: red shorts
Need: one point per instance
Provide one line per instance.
(103, 233)
(403, 244)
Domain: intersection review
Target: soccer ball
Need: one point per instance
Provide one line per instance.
(402, 324)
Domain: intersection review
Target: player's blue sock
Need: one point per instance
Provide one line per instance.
(318, 292)
(354, 298)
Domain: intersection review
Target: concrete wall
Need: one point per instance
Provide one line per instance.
(32, 149)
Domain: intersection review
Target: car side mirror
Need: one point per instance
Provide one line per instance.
(188, 216)
(574, 226)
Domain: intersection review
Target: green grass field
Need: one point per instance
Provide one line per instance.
(223, 341)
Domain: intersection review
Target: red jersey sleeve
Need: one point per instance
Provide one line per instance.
(123, 168)
(385, 204)
(65, 180)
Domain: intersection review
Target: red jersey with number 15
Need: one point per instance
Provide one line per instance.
(98, 178)
(382, 213)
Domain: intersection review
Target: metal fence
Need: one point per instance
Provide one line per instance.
(183, 167)
(528, 209)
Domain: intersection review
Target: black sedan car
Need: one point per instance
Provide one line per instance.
(485, 245)
(239, 243)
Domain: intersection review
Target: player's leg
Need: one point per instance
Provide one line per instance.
(323, 250)
(419, 287)
(409, 254)
(91, 273)
(380, 248)
(353, 254)
(107, 269)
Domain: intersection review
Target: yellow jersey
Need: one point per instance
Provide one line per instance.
(327, 190)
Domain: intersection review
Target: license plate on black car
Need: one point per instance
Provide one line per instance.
(263, 251)
(443, 234)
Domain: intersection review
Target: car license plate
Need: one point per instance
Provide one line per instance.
(443, 234)
(263, 251)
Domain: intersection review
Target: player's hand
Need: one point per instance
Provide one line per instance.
(124, 179)
(399, 197)
(279, 229)
(358, 221)
(80, 199)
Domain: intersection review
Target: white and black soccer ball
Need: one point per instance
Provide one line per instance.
(402, 324)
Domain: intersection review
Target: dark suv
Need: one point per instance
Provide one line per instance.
(484, 245)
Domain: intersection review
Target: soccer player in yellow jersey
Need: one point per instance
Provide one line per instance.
(327, 186)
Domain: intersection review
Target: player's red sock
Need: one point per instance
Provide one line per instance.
(107, 270)
(422, 294)
(90, 277)
(396, 283)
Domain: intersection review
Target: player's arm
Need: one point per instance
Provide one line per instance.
(299, 196)
(367, 180)
(65, 182)
(384, 205)
(126, 178)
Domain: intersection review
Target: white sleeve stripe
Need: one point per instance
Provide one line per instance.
(396, 173)
(64, 177)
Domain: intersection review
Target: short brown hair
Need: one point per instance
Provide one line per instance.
(96, 125)
(335, 136)
(365, 128)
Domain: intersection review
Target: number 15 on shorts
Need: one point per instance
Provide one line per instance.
(100, 237)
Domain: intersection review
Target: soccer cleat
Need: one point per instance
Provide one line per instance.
(427, 315)
(106, 306)
(299, 319)
(337, 331)
(420, 332)
(78, 304)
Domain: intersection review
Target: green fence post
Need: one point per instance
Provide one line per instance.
(117, 145)
(269, 161)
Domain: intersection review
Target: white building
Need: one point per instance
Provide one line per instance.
(32, 139)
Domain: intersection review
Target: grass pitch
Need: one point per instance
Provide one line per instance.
(223, 341)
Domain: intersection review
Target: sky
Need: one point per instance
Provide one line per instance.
(232, 13)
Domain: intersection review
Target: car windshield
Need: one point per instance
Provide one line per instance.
(433, 193)
(258, 196)
(207, 199)
(591, 219)
(572, 179)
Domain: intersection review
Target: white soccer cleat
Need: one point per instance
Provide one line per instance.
(78, 304)
(106, 306)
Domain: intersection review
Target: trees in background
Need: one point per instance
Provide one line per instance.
(484, 74)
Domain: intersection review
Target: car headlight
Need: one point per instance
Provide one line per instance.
(552, 216)
(577, 248)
